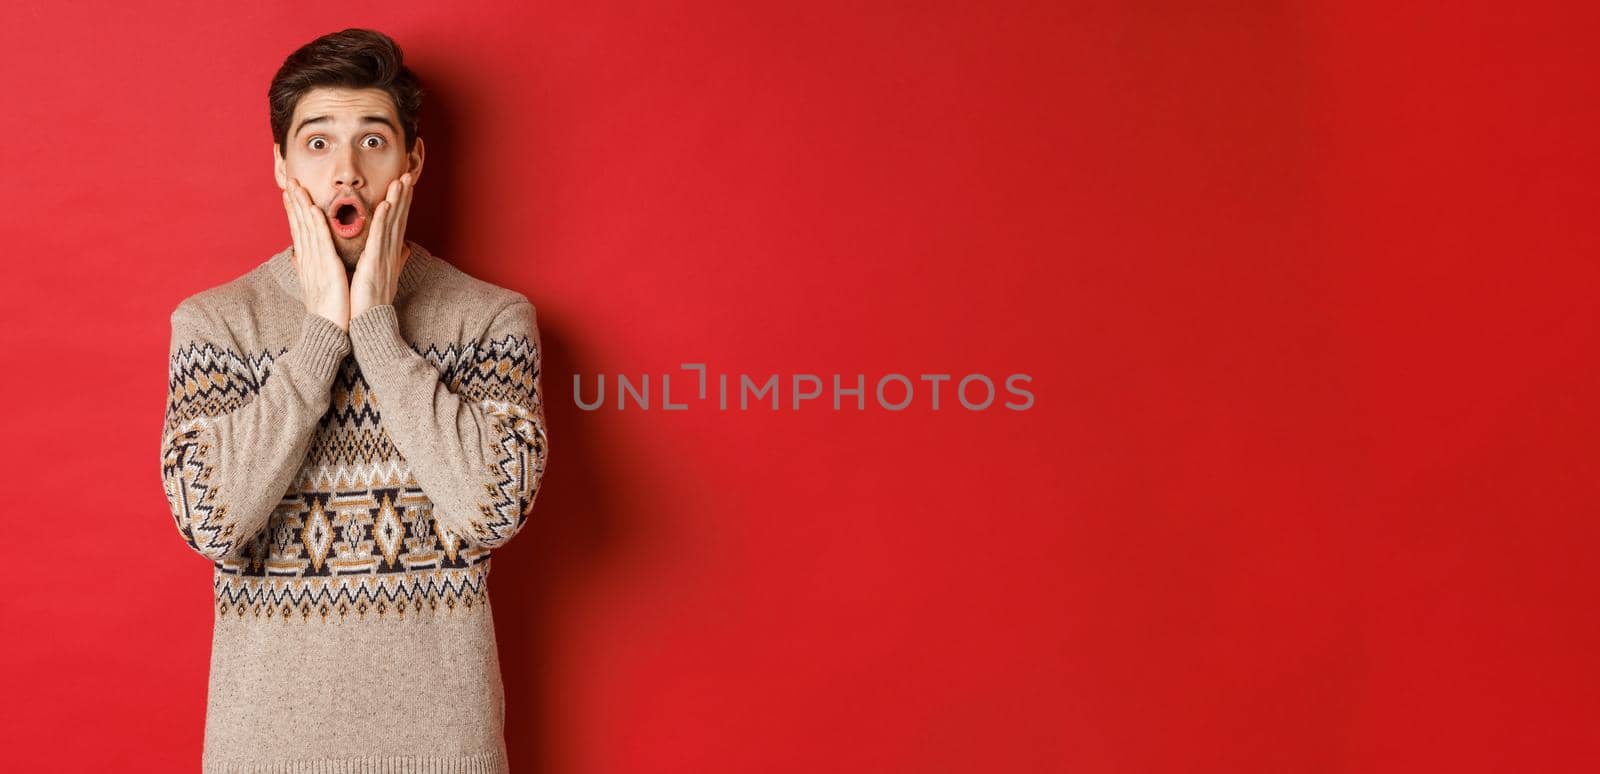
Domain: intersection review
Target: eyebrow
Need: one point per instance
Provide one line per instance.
(367, 119)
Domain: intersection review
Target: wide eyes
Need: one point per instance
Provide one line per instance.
(371, 141)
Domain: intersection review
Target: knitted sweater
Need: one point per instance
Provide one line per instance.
(349, 490)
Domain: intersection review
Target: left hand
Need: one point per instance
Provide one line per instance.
(377, 275)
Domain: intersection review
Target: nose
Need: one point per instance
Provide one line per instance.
(347, 170)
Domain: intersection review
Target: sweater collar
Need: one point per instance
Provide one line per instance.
(417, 267)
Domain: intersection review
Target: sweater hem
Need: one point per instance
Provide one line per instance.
(486, 763)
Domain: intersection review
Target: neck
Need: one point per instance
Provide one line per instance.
(413, 265)
(351, 262)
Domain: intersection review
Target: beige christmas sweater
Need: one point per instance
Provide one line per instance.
(349, 490)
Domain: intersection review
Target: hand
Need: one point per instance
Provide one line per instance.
(322, 279)
(377, 276)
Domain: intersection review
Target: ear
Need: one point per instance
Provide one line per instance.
(414, 162)
(278, 169)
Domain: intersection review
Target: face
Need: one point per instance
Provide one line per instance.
(345, 146)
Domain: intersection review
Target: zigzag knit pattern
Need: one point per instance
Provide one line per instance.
(351, 512)
(348, 485)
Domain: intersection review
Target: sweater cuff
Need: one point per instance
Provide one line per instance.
(375, 336)
(323, 345)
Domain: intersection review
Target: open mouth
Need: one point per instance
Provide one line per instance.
(349, 216)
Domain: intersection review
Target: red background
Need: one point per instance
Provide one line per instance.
(1307, 295)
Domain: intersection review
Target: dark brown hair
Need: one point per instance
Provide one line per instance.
(355, 59)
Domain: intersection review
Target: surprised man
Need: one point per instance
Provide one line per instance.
(353, 427)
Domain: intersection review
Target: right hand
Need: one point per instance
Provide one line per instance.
(323, 283)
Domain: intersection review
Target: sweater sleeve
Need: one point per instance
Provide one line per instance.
(233, 440)
(473, 434)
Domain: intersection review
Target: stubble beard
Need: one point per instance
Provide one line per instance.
(350, 251)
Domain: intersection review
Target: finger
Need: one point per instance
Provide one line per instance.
(405, 210)
(405, 213)
(310, 259)
(380, 216)
(390, 200)
(316, 240)
(392, 222)
(304, 196)
(303, 218)
(386, 227)
(292, 210)
(300, 197)
(395, 214)
(375, 233)
(294, 229)
(316, 221)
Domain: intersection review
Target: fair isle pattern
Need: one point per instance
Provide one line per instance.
(186, 476)
(503, 377)
(303, 600)
(516, 472)
(372, 531)
(204, 381)
(355, 534)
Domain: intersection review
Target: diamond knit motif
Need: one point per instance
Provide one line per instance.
(354, 508)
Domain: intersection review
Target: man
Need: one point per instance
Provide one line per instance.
(353, 426)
